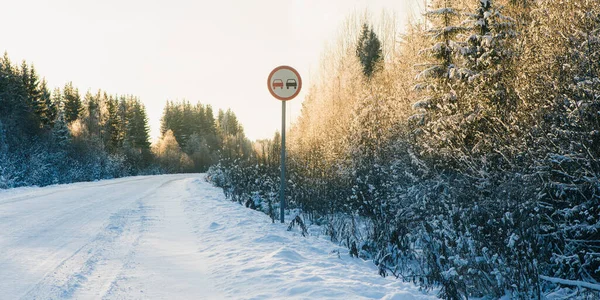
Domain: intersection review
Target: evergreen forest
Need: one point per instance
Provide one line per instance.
(55, 136)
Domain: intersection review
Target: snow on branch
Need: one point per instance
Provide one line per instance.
(577, 283)
(449, 30)
(442, 11)
(436, 49)
(421, 86)
(429, 72)
(422, 104)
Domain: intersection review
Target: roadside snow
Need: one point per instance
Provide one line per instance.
(167, 237)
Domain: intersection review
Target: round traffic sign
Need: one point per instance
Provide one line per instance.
(284, 83)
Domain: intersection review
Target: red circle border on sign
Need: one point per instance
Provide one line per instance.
(297, 90)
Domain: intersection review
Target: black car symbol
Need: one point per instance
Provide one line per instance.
(291, 82)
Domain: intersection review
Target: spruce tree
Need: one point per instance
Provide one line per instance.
(487, 93)
(92, 114)
(112, 132)
(35, 93)
(56, 102)
(138, 132)
(211, 129)
(47, 110)
(438, 111)
(199, 121)
(368, 51)
(488, 55)
(72, 100)
(26, 100)
(188, 119)
(60, 132)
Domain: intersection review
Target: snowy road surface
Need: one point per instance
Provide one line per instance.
(167, 237)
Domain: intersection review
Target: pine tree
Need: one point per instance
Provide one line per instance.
(165, 120)
(36, 95)
(199, 122)
(123, 117)
(138, 133)
(56, 101)
(92, 114)
(61, 134)
(30, 96)
(488, 55)
(46, 109)
(26, 82)
(73, 105)
(487, 97)
(440, 108)
(368, 51)
(3, 141)
(210, 129)
(228, 122)
(112, 135)
(5, 103)
(188, 119)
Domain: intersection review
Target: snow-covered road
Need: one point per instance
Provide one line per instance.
(167, 237)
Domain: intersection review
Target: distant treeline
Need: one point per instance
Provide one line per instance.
(192, 139)
(58, 136)
(463, 154)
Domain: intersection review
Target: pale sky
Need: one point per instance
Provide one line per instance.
(214, 52)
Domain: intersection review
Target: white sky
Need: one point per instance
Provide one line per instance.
(216, 52)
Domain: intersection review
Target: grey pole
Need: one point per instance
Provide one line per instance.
(282, 187)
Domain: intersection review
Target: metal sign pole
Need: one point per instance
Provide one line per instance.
(282, 187)
(284, 83)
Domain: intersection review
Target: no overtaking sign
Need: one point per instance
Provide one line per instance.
(284, 83)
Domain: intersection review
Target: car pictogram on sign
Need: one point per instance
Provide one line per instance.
(284, 83)
(291, 83)
(277, 83)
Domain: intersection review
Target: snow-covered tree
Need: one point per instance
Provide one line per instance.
(438, 111)
(60, 132)
(488, 54)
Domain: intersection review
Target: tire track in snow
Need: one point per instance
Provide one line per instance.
(166, 264)
(91, 270)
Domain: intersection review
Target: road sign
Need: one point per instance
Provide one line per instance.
(284, 83)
